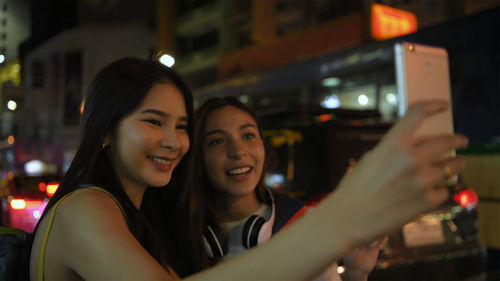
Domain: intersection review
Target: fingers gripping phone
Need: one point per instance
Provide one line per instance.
(422, 73)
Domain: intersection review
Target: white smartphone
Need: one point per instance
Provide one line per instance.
(422, 73)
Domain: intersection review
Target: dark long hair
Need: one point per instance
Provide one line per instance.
(205, 193)
(162, 225)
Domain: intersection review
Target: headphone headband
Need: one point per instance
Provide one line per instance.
(256, 230)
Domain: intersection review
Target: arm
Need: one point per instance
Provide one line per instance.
(401, 173)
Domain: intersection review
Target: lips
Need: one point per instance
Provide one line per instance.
(162, 163)
(239, 171)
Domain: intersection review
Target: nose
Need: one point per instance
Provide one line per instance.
(170, 140)
(236, 149)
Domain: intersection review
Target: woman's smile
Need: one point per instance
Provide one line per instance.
(162, 163)
(239, 173)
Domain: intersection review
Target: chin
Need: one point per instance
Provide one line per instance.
(160, 183)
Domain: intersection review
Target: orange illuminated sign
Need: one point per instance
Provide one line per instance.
(389, 22)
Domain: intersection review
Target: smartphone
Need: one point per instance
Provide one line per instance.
(422, 73)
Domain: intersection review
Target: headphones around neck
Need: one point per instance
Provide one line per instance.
(256, 230)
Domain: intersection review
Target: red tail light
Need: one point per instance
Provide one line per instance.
(51, 188)
(324, 117)
(466, 198)
(17, 204)
(42, 186)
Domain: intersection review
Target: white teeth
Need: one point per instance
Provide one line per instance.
(239, 171)
(160, 160)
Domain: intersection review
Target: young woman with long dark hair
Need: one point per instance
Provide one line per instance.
(136, 130)
(240, 212)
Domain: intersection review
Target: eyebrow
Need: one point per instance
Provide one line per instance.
(161, 113)
(220, 131)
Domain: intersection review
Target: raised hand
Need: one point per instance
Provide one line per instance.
(400, 178)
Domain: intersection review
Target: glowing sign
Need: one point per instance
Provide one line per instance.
(389, 22)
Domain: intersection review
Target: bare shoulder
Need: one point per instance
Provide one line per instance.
(82, 217)
(88, 203)
(90, 238)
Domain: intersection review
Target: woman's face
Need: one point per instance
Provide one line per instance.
(149, 143)
(233, 152)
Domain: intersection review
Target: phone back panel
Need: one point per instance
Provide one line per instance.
(422, 73)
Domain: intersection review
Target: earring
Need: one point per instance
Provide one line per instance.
(103, 146)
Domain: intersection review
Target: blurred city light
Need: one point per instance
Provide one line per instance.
(2, 58)
(11, 140)
(167, 60)
(340, 269)
(331, 102)
(12, 105)
(17, 204)
(37, 214)
(42, 186)
(330, 82)
(243, 98)
(466, 198)
(388, 22)
(363, 99)
(391, 98)
(274, 180)
(51, 188)
(33, 167)
(325, 117)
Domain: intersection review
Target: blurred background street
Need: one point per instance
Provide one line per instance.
(319, 73)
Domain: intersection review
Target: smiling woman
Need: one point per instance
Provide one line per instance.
(135, 133)
(240, 212)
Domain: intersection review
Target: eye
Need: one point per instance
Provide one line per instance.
(215, 142)
(182, 127)
(248, 136)
(153, 122)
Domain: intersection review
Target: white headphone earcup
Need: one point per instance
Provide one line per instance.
(258, 230)
(266, 230)
(213, 246)
(251, 231)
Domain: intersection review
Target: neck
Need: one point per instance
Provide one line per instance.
(135, 194)
(230, 208)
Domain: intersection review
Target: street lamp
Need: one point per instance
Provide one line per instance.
(12, 105)
(167, 60)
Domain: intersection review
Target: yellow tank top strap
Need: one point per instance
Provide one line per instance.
(112, 196)
(52, 214)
